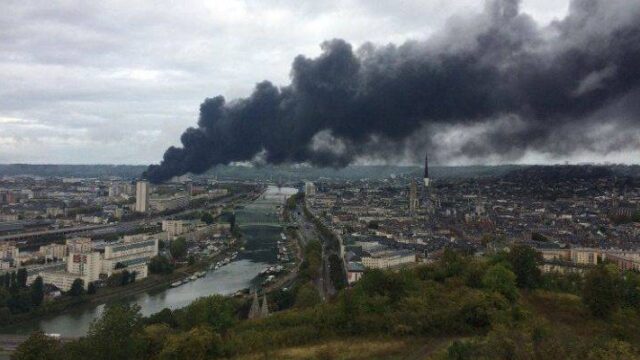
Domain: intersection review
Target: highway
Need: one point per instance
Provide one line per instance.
(308, 232)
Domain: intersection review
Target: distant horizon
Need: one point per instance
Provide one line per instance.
(350, 165)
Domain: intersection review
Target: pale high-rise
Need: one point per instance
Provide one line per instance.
(142, 196)
(413, 197)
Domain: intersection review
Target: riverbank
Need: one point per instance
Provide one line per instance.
(104, 295)
(257, 221)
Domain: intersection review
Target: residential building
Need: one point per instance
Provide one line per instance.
(142, 196)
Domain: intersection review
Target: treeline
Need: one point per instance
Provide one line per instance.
(16, 297)
(502, 306)
(19, 302)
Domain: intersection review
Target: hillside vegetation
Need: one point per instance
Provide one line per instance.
(461, 307)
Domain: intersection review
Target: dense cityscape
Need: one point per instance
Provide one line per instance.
(320, 180)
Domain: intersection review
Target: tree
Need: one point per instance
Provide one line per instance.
(154, 338)
(111, 336)
(539, 237)
(601, 292)
(165, 316)
(307, 296)
(91, 288)
(37, 291)
(613, 350)
(198, 343)
(524, 262)
(14, 282)
(216, 311)
(502, 280)
(37, 347)
(21, 277)
(77, 288)
(207, 218)
(4, 297)
(160, 265)
(336, 272)
(178, 248)
(19, 302)
(125, 279)
(6, 281)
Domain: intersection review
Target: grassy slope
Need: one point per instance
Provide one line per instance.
(357, 349)
(565, 313)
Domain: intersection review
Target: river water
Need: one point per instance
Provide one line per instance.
(257, 222)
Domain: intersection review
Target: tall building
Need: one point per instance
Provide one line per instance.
(427, 180)
(142, 196)
(309, 189)
(309, 192)
(413, 197)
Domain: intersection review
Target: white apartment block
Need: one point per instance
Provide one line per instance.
(53, 251)
(173, 228)
(9, 252)
(142, 196)
(133, 254)
(169, 203)
(388, 258)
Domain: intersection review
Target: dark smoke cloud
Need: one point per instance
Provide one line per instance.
(545, 89)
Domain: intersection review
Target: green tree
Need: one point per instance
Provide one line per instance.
(37, 291)
(91, 289)
(160, 265)
(216, 311)
(165, 316)
(336, 272)
(199, 343)
(524, 262)
(307, 296)
(77, 288)
(154, 338)
(601, 291)
(38, 347)
(19, 301)
(4, 297)
(207, 218)
(13, 283)
(111, 336)
(502, 280)
(21, 277)
(614, 350)
(178, 248)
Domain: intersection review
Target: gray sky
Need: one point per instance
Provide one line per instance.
(118, 81)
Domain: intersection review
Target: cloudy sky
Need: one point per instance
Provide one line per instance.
(118, 81)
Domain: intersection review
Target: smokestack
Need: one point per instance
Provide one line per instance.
(427, 181)
(497, 85)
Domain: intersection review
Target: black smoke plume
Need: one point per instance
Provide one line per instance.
(570, 86)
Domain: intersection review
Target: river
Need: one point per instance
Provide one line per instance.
(260, 251)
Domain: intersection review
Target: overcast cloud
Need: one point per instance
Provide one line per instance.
(118, 81)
